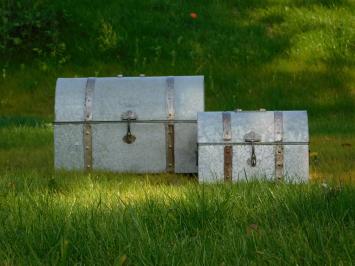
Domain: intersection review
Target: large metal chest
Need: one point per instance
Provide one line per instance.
(257, 144)
(128, 124)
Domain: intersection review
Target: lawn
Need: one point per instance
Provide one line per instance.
(273, 54)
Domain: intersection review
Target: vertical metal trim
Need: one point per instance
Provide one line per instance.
(279, 149)
(170, 157)
(169, 129)
(227, 130)
(87, 128)
(170, 98)
(228, 163)
(228, 149)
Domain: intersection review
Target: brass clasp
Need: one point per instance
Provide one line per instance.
(129, 116)
(252, 137)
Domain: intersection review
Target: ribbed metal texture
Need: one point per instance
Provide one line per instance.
(267, 133)
(151, 101)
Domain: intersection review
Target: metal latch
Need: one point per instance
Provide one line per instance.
(252, 137)
(129, 116)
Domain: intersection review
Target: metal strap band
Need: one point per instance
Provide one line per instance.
(170, 157)
(227, 129)
(170, 98)
(89, 92)
(228, 149)
(279, 149)
(228, 162)
(169, 129)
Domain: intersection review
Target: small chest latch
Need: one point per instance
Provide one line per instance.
(252, 137)
(129, 116)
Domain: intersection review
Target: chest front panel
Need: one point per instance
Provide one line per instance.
(138, 124)
(262, 145)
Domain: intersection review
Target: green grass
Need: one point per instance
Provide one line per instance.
(273, 54)
(57, 218)
(103, 219)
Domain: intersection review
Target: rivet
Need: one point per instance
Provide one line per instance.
(87, 132)
(87, 147)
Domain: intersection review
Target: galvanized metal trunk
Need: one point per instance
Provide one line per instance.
(128, 124)
(240, 145)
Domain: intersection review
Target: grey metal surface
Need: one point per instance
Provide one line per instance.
(185, 147)
(145, 96)
(265, 162)
(146, 154)
(69, 147)
(210, 163)
(295, 126)
(70, 99)
(211, 144)
(112, 97)
(296, 162)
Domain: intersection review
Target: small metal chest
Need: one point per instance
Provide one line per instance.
(128, 124)
(256, 144)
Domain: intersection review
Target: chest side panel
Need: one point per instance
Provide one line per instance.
(147, 97)
(68, 147)
(265, 162)
(145, 154)
(209, 127)
(210, 163)
(295, 126)
(261, 158)
(189, 97)
(261, 123)
(115, 96)
(296, 161)
(185, 147)
(70, 99)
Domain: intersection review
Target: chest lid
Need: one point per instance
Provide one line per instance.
(263, 127)
(148, 98)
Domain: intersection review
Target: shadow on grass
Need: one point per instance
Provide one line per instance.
(28, 121)
(255, 222)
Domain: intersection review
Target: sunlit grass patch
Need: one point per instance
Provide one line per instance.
(332, 158)
(105, 219)
(278, 55)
